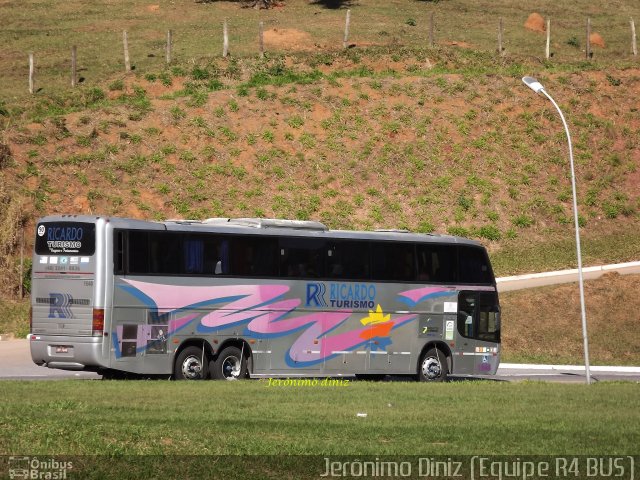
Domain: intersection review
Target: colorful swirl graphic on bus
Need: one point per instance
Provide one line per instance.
(264, 312)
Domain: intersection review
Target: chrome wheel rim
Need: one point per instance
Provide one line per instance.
(192, 368)
(431, 368)
(231, 368)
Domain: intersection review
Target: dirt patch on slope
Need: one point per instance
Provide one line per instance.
(535, 23)
(596, 40)
(288, 39)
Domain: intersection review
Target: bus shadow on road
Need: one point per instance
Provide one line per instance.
(456, 378)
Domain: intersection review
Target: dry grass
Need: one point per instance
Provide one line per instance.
(12, 215)
(543, 324)
(96, 27)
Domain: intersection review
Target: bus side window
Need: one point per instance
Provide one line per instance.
(436, 263)
(252, 257)
(165, 253)
(119, 259)
(348, 260)
(393, 261)
(138, 253)
(474, 266)
(301, 257)
(425, 266)
(193, 249)
(222, 258)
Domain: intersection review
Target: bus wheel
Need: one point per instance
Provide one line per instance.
(433, 367)
(190, 365)
(229, 365)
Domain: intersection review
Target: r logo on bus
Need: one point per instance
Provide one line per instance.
(60, 304)
(315, 295)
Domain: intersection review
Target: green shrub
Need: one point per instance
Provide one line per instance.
(458, 231)
(490, 232)
(523, 221)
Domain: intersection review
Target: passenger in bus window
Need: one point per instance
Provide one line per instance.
(423, 274)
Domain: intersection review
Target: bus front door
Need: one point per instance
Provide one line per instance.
(478, 332)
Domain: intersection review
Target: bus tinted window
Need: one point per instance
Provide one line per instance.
(393, 261)
(437, 263)
(302, 257)
(254, 256)
(205, 255)
(162, 253)
(474, 266)
(138, 252)
(348, 260)
(210, 254)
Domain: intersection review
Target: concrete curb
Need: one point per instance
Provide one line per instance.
(571, 368)
(519, 282)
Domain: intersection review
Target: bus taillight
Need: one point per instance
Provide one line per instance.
(98, 322)
(30, 319)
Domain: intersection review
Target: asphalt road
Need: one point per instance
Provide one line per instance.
(16, 364)
(565, 373)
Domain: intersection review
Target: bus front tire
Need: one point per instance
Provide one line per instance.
(433, 367)
(229, 365)
(190, 365)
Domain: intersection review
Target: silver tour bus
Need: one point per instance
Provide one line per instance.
(236, 298)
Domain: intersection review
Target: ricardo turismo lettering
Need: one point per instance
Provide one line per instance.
(64, 237)
(341, 295)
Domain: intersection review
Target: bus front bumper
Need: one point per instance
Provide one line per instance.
(66, 353)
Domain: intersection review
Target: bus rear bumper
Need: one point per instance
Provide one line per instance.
(66, 353)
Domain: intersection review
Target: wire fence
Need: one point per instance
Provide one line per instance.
(544, 26)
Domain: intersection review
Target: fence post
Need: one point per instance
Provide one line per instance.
(431, 33)
(31, 72)
(74, 66)
(125, 41)
(261, 39)
(588, 49)
(345, 41)
(547, 51)
(169, 41)
(634, 44)
(225, 39)
(21, 262)
(500, 29)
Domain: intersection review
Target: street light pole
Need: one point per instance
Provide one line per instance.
(537, 87)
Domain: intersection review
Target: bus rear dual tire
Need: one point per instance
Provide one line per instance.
(433, 366)
(230, 364)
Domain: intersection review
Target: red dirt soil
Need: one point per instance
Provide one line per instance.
(535, 23)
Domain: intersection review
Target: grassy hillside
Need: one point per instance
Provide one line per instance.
(542, 325)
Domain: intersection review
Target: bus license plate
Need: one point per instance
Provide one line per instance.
(62, 349)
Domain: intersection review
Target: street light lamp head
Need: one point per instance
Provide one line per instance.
(533, 84)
